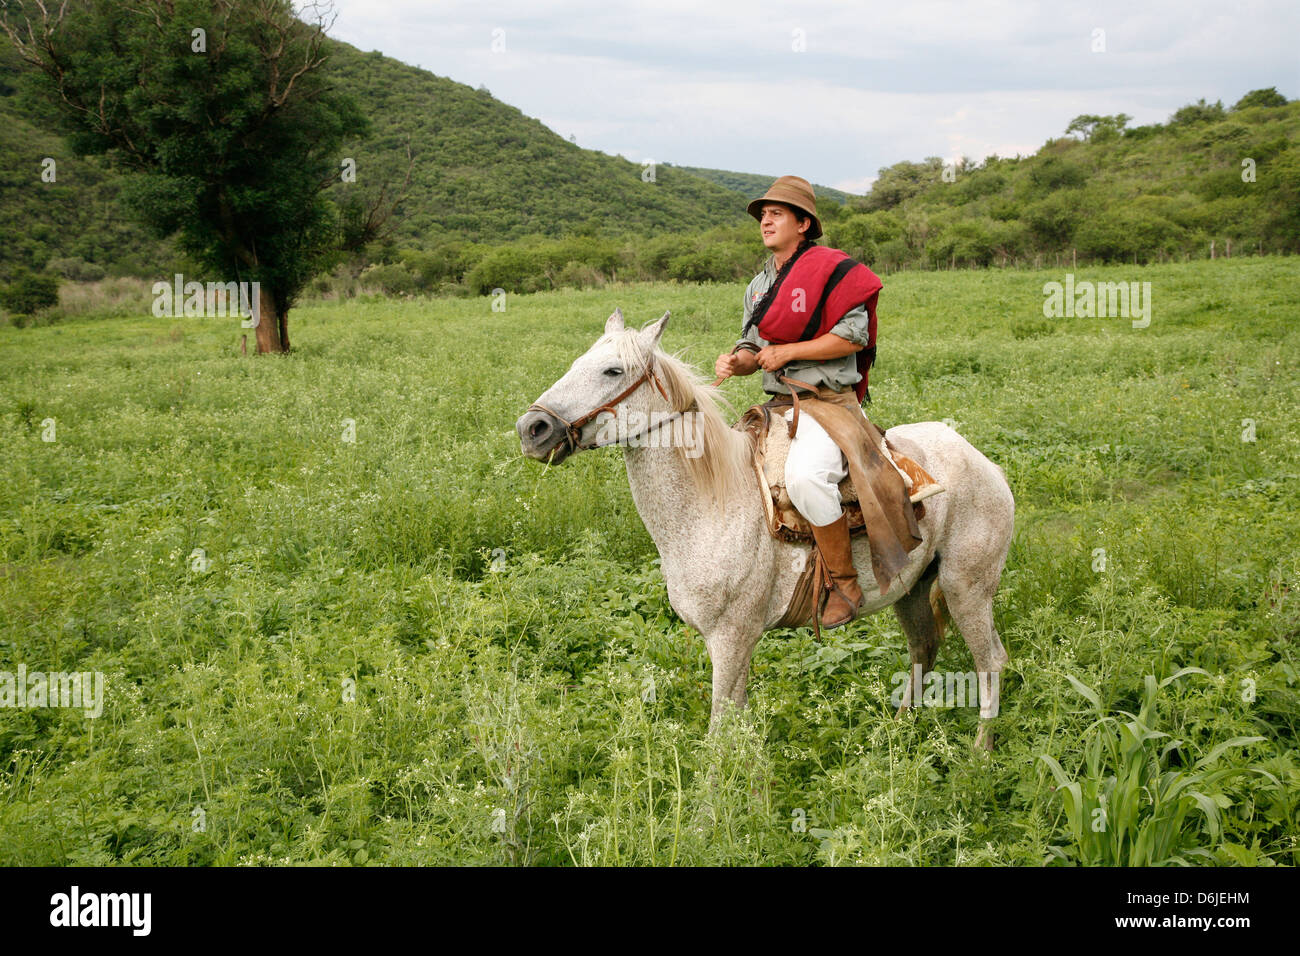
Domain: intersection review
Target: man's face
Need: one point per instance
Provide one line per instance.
(780, 227)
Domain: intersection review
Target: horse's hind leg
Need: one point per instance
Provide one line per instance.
(921, 625)
(968, 592)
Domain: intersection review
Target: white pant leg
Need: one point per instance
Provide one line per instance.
(813, 471)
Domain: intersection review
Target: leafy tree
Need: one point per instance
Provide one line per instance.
(1281, 181)
(1198, 112)
(853, 235)
(1266, 98)
(1053, 173)
(1054, 218)
(513, 268)
(221, 113)
(1005, 210)
(902, 181)
(1084, 123)
(966, 241)
(981, 182)
(29, 292)
(1098, 127)
(1121, 234)
(1143, 132)
(712, 263)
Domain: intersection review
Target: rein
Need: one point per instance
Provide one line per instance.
(574, 427)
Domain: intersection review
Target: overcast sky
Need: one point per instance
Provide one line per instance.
(833, 91)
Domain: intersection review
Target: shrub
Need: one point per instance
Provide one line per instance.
(1122, 234)
(654, 254)
(711, 262)
(392, 279)
(512, 268)
(579, 275)
(1053, 220)
(1198, 112)
(853, 235)
(966, 241)
(29, 292)
(77, 269)
(1267, 98)
(1054, 173)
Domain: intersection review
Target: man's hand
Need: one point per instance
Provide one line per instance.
(735, 363)
(829, 346)
(773, 358)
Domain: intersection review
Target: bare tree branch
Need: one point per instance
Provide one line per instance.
(378, 223)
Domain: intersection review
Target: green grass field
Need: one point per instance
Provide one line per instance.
(419, 648)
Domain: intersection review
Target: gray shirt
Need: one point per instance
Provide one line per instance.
(838, 373)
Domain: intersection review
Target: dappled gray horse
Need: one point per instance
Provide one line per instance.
(696, 490)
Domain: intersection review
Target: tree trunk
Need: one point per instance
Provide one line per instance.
(270, 325)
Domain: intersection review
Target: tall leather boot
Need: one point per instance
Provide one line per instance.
(846, 594)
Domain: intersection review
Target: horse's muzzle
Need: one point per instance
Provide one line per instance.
(544, 437)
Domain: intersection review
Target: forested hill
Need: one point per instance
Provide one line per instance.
(77, 214)
(479, 170)
(483, 171)
(1105, 192)
(753, 185)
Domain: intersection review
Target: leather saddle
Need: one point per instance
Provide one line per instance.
(771, 446)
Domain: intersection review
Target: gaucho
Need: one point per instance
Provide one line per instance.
(810, 318)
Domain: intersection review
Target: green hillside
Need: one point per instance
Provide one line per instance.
(1151, 194)
(1146, 194)
(753, 184)
(496, 198)
(480, 170)
(75, 216)
(485, 171)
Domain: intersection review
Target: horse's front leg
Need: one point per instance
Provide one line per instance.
(730, 650)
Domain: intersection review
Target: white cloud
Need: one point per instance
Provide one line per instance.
(720, 86)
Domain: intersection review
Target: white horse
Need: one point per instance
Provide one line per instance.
(698, 495)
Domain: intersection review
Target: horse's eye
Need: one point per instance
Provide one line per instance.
(613, 371)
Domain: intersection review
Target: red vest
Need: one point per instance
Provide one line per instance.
(811, 294)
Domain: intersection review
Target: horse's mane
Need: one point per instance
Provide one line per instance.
(722, 471)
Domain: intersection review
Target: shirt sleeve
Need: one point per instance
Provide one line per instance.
(748, 309)
(854, 326)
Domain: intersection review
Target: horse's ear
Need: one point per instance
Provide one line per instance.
(615, 322)
(649, 336)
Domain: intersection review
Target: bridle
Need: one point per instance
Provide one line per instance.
(571, 429)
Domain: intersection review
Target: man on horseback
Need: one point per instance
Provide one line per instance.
(823, 318)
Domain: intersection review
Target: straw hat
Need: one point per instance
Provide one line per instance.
(793, 191)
